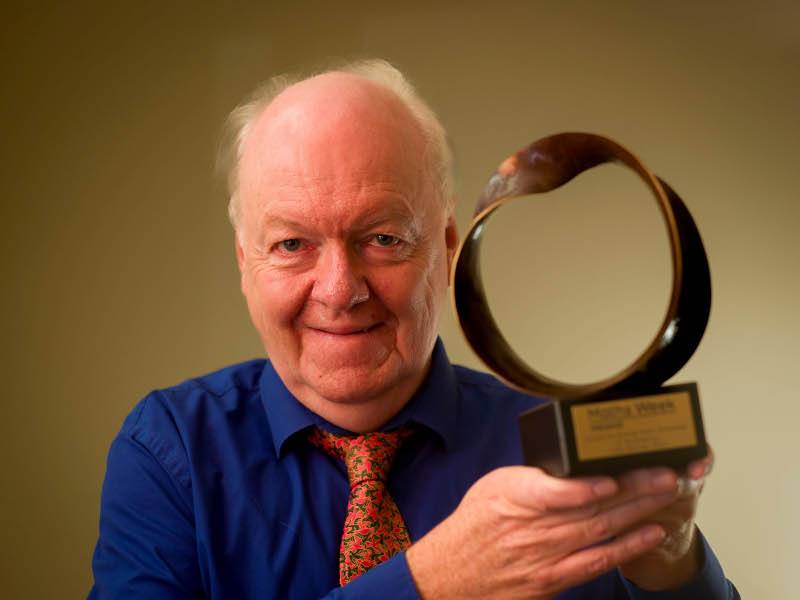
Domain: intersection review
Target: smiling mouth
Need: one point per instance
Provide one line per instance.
(346, 331)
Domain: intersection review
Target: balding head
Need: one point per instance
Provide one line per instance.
(335, 103)
(335, 130)
(344, 245)
(345, 86)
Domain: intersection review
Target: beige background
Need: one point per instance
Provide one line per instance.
(118, 264)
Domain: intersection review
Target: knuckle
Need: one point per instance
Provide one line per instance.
(599, 564)
(544, 579)
(590, 510)
(598, 528)
(649, 504)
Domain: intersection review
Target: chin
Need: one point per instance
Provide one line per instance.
(355, 384)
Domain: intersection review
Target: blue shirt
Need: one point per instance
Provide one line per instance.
(212, 490)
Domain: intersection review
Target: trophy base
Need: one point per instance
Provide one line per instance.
(606, 435)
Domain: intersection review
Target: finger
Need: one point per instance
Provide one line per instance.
(690, 486)
(643, 482)
(701, 468)
(591, 562)
(569, 535)
(533, 487)
(657, 480)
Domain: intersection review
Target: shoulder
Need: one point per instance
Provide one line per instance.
(225, 390)
(229, 382)
(168, 422)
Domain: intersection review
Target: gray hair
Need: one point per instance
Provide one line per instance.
(240, 122)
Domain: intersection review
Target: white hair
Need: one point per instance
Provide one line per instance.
(240, 122)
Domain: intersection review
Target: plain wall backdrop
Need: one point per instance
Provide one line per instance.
(118, 264)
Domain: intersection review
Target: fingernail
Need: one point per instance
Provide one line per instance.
(605, 487)
(688, 486)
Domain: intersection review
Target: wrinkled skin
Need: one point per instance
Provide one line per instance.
(344, 247)
(519, 533)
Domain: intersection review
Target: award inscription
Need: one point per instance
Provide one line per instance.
(634, 425)
(626, 420)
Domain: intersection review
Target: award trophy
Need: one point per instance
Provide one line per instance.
(625, 421)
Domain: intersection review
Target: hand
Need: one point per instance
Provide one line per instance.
(677, 559)
(520, 532)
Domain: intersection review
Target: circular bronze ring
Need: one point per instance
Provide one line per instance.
(544, 166)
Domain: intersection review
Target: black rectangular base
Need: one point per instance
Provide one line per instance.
(609, 435)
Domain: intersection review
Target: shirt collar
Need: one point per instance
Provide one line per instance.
(434, 405)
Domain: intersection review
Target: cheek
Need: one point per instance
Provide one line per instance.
(274, 303)
(416, 304)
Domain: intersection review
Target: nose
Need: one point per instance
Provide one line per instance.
(340, 283)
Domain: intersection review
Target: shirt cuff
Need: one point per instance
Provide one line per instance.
(709, 584)
(393, 575)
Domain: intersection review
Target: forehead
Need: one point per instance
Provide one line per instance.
(335, 137)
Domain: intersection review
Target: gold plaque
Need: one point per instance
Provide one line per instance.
(633, 426)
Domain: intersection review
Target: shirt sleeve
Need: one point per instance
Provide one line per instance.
(389, 579)
(710, 583)
(146, 547)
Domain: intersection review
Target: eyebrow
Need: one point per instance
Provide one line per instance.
(282, 222)
(372, 218)
(385, 214)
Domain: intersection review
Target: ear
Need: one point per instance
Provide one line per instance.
(451, 242)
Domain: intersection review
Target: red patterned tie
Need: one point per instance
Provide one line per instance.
(374, 530)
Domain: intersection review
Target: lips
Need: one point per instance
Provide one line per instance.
(345, 330)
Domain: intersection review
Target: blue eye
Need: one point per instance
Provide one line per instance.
(384, 239)
(292, 245)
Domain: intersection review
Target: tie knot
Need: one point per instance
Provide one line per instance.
(368, 456)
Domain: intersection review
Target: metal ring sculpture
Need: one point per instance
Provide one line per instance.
(544, 166)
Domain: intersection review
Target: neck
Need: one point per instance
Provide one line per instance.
(364, 414)
(355, 418)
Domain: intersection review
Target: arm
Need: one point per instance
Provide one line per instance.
(519, 532)
(146, 547)
(476, 564)
(393, 575)
(709, 582)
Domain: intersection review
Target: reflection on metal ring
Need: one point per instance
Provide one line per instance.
(544, 166)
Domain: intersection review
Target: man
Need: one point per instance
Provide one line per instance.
(229, 486)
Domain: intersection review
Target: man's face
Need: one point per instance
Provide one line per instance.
(344, 248)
